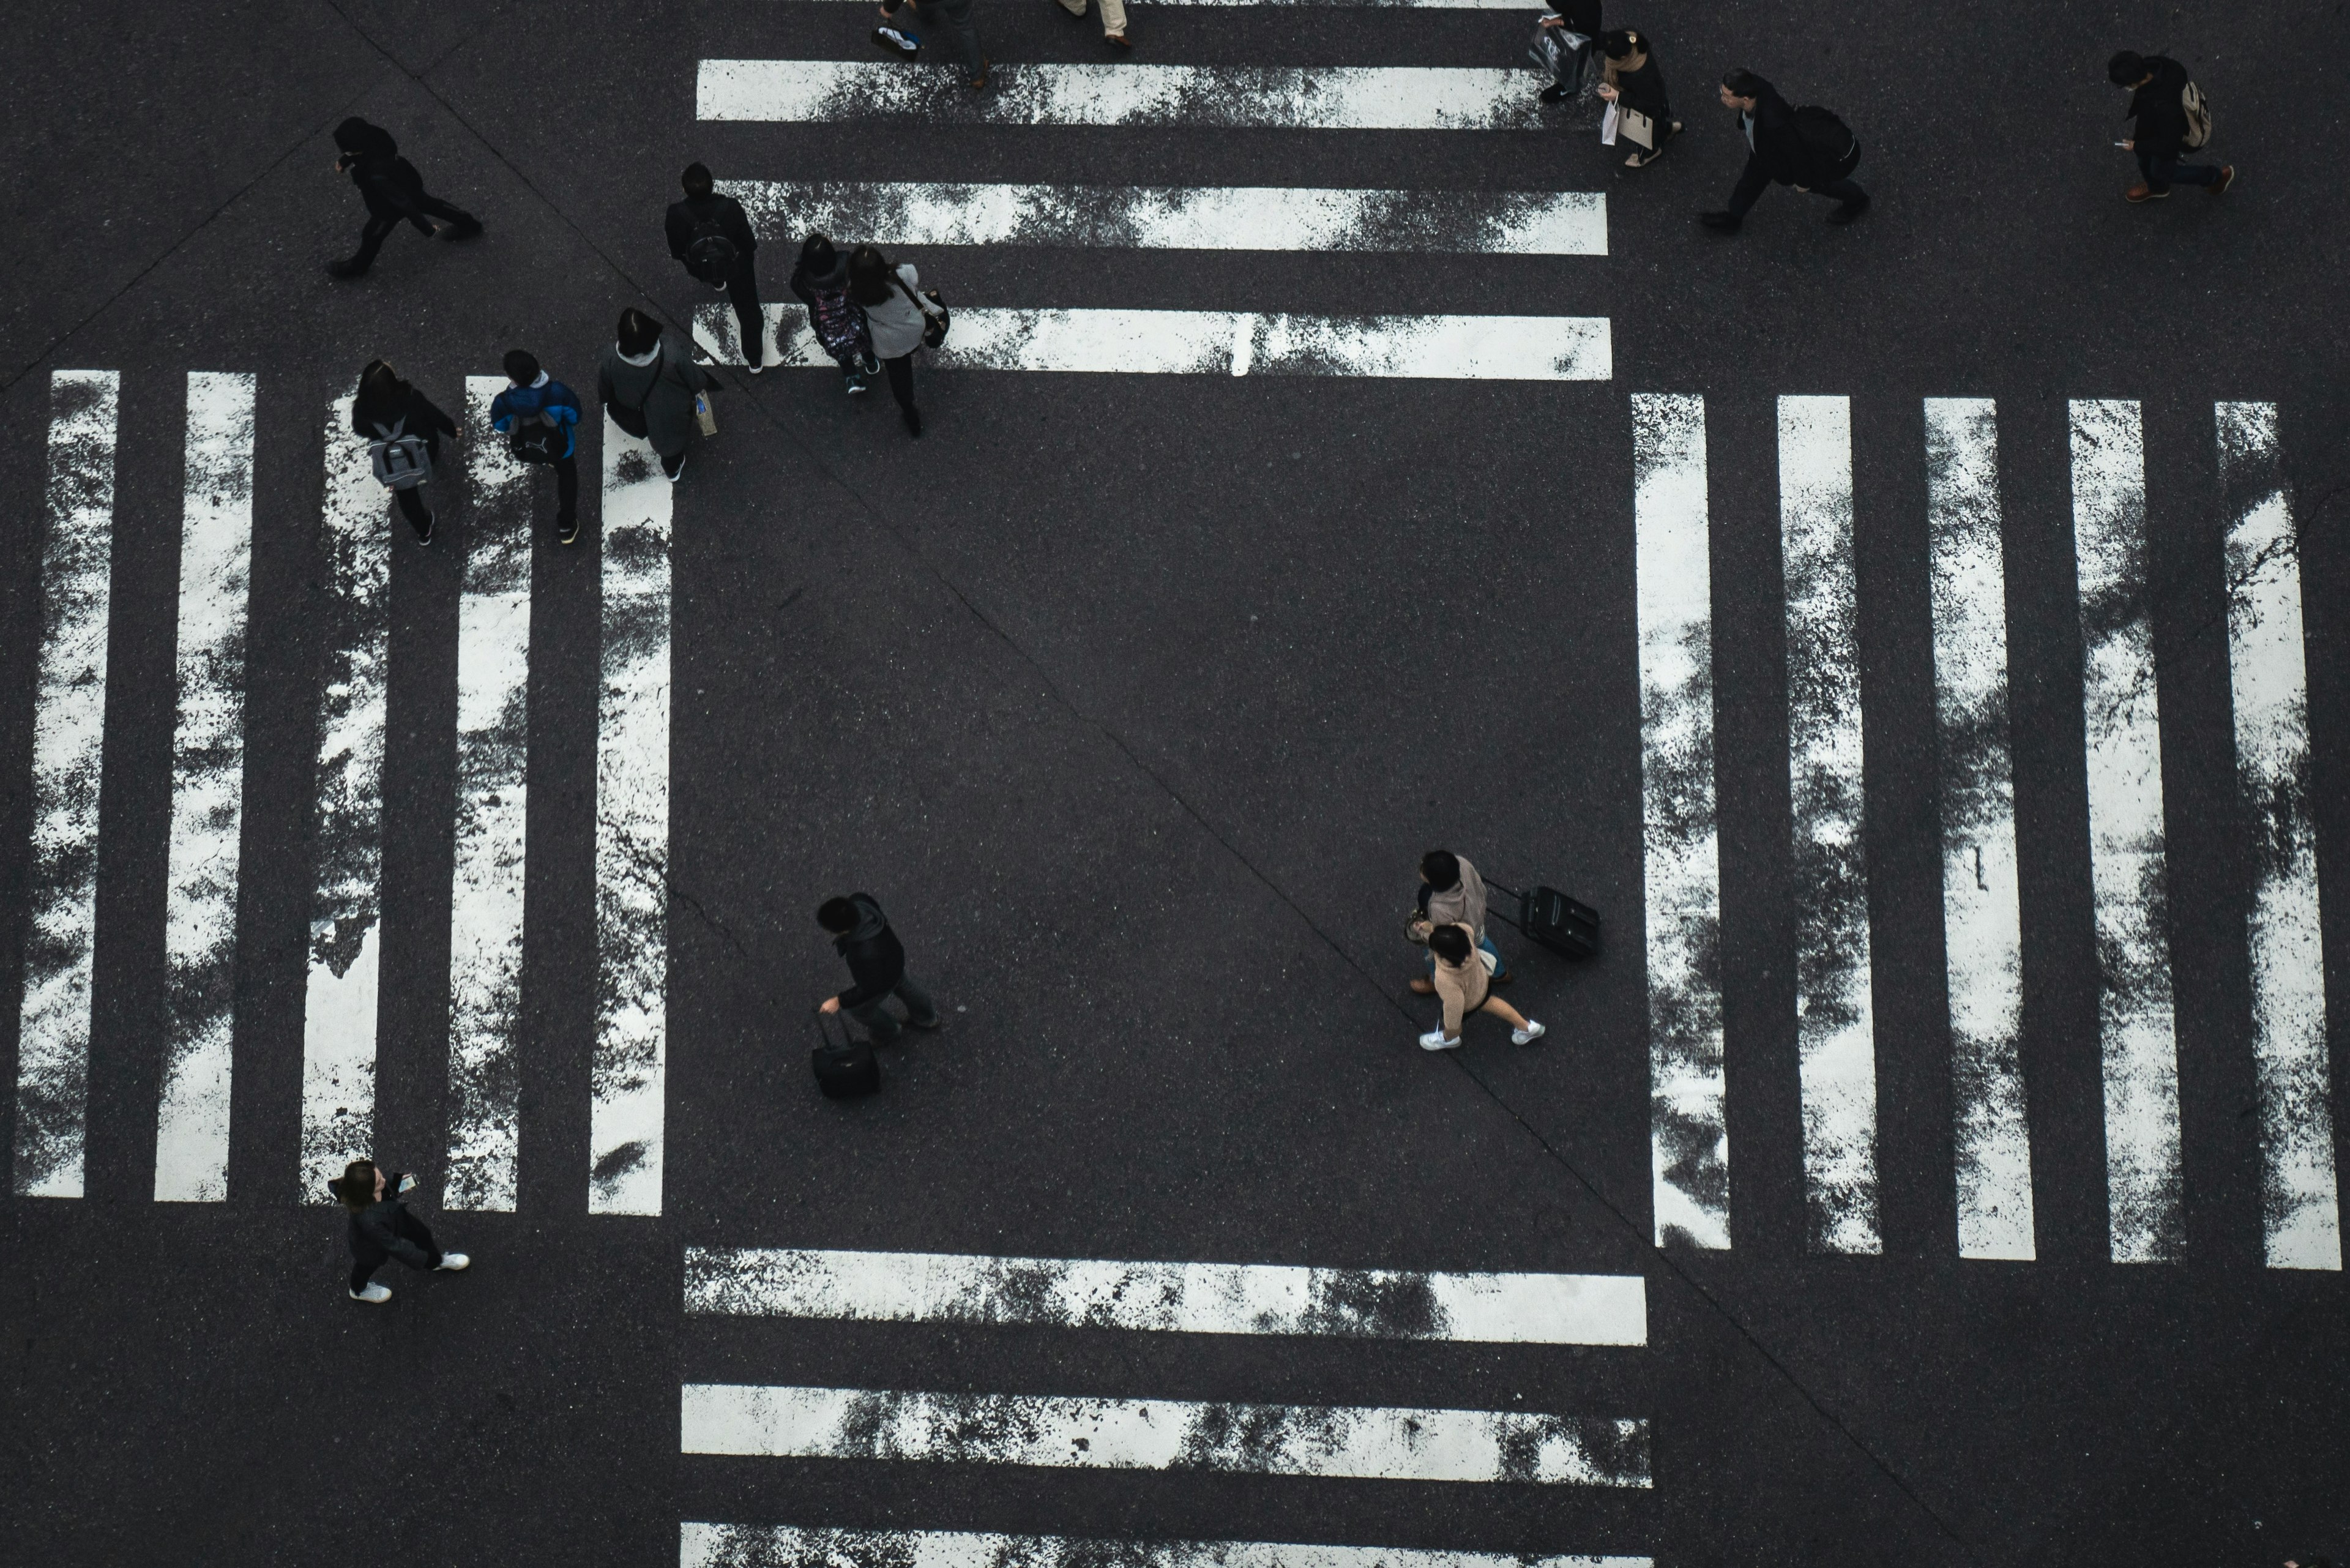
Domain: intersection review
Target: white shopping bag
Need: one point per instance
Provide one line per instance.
(1607, 126)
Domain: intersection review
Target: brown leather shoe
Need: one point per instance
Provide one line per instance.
(2142, 192)
(2227, 177)
(1423, 988)
(1118, 40)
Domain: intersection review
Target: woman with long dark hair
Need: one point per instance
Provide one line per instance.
(896, 314)
(1632, 81)
(403, 432)
(383, 1229)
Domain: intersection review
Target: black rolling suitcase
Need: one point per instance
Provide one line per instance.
(1550, 918)
(847, 1071)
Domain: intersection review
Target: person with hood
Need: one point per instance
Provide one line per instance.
(382, 1228)
(897, 316)
(710, 236)
(394, 194)
(820, 278)
(540, 416)
(1630, 80)
(877, 964)
(2158, 107)
(402, 429)
(1787, 146)
(1452, 894)
(1459, 978)
(651, 386)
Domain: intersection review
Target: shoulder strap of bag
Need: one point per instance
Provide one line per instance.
(919, 303)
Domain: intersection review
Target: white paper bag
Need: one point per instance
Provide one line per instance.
(1607, 126)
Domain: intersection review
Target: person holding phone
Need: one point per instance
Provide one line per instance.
(1630, 80)
(382, 1228)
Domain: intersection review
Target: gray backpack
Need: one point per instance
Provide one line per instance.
(402, 461)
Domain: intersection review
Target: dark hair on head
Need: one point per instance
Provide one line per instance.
(379, 380)
(520, 366)
(696, 179)
(1742, 82)
(1620, 43)
(836, 915)
(1441, 868)
(638, 333)
(356, 1186)
(1450, 943)
(2127, 69)
(869, 275)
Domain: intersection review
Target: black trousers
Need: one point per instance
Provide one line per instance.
(409, 1228)
(379, 227)
(901, 379)
(742, 291)
(953, 16)
(1757, 179)
(566, 488)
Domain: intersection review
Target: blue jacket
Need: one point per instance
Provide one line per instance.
(547, 396)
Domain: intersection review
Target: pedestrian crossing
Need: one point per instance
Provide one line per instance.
(2137, 1037)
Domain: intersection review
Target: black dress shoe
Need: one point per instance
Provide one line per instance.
(346, 269)
(1727, 223)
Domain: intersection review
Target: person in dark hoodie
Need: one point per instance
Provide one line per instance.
(877, 963)
(710, 234)
(651, 386)
(540, 416)
(2157, 105)
(403, 431)
(394, 193)
(382, 1228)
(1782, 148)
(820, 278)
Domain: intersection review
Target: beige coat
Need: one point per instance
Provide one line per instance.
(1462, 904)
(1463, 986)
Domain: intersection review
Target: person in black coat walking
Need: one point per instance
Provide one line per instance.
(1781, 149)
(1632, 82)
(382, 1228)
(2157, 106)
(390, 414)
(877, 963)
(394, 194)
(710, 236)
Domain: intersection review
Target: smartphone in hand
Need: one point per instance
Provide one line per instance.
(408, 1184)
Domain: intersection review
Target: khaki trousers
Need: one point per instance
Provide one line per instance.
(1113, 14)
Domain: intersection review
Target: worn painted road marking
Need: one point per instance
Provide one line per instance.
(2127, 861)
(701, 1546)
(630, 1071)
(1382, 97)
(1371, 1443)
(1982, 934)
(2268, 676)
(1221, 343)
(1833, 1029)
(207, 790)
(485, 905)
(1179, 1298)
(1681, 863)
(69, 752)
(339, 1016)
(1163, 217)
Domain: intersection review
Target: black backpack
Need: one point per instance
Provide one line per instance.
(710, 254)
(536, 437)
(1829, 146)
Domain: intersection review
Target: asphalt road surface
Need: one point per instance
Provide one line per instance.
(1923, 641)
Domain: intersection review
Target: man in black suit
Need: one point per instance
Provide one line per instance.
(394, 194)
(1808, 149)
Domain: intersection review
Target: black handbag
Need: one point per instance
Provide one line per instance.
(937, 317)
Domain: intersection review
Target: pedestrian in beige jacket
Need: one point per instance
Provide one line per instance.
(1465, 987)
(1451, 893)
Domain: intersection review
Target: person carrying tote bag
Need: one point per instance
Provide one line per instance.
(901, 320)
(652, 388)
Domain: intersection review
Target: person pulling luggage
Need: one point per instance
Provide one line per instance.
(1457, 970)
(1451, 893)
(877, 963)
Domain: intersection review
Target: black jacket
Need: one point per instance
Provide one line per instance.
(1777, 148)
(375, 1233)
(2158, 107)
(1643, 92)
(731, 221)
(876, 960)
(423, 419)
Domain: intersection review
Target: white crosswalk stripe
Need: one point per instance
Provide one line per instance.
(1162, 217)
(702, 1546)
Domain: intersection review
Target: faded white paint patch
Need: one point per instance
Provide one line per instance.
(630, 1070)
(1833, 1029)
(1368, 1442)
(2127, 856)
(1176, 1298)
(1383, 98)
(69, 750)
(1166, 217)
(703, 1545)
(207, 790)
(339, 1016)
(1981, 934)
(1680, 853)
(2301, 1217)
(1218, 343)
(485, 904)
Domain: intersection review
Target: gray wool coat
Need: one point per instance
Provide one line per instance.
(664, 390)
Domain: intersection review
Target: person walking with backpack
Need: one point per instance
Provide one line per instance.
(540, 417)
(877, 964)
(711, 235)
(652, 388)
(820, 278)
(2170, 117)
(382, 1228)
(394, 193)
(1630, 80)
(403, 431)
(1457, 975)
(899, 319)
(1807, 148)
(1452, 894)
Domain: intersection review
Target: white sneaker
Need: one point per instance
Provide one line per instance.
(375, 1294)
(1434, 1040)
(453, 1261)
(1529, 1034)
